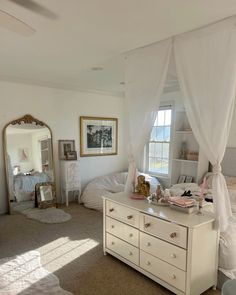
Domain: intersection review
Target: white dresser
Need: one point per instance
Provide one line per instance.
(177, 250)
(70, 179)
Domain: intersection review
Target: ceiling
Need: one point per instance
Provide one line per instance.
(95, 33)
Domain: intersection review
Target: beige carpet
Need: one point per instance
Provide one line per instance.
(24, 274)
(73, 252)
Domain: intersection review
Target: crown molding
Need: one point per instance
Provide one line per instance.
(61, 86)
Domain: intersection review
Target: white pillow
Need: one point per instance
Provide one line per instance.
(185, 185)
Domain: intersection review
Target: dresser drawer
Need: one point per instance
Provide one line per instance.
(122, 248)
(165, 230)
(122, 213)
(163, 270)
(163, 250)
(122, 231)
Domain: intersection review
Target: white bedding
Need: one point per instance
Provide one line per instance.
(24, 185)
(106, 185)
(227, 254)
(227, 249)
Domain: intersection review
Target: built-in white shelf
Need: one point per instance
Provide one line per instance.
(184, 134)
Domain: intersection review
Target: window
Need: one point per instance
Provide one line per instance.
(158, 149)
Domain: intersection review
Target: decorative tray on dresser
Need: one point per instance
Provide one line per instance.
(177, 250)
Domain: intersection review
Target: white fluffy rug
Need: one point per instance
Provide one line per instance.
(49, 215)
(21, 206)
(24, 275)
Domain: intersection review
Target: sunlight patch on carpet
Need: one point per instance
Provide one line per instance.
(23, 274)
(55, 255)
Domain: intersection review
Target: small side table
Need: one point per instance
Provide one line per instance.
(70, 179)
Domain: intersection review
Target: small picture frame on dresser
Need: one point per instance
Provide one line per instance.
(71, 156)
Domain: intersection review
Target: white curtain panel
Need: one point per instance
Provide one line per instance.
(206, 68)
(145, 75)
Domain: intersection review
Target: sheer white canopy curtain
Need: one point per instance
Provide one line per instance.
(206, 69)
(145, 75)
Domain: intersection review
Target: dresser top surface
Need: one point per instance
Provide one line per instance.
(163, 212)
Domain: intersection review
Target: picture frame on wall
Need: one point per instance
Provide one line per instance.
(65, 146)
(71, 156)
(98, 136)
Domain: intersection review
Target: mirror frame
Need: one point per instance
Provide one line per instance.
(26, 119)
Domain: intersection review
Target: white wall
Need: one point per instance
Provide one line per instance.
(61, 109)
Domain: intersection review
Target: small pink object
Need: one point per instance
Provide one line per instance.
(137, 197)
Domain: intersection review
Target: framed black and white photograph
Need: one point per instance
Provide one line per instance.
(64, 147)
(98, 136)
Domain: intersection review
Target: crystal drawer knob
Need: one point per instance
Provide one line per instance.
(129, 216)
(173, 276)
(131, 235)
(146, 225)
(173, 235)
(111, 210)
(148, 263)
(148, 244)
(173, 255)
(130, 253)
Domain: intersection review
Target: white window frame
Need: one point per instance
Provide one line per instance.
(164, 106)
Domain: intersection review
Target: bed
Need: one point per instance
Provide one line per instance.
(227, 249)
(24, 185)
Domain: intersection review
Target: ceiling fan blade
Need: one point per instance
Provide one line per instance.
(35, 7)
(12, 23)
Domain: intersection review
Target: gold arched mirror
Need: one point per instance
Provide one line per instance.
(28, 153)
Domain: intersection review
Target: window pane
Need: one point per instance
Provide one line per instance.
(166, 136)
(158, 165)
(155, 165)
(158, 157)
(161, 118)
(153, 134)
(152, 164)
(168, 117)
(158, 153)
(160, 133)
(165, 166)
(165, 153)
(151, 149)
